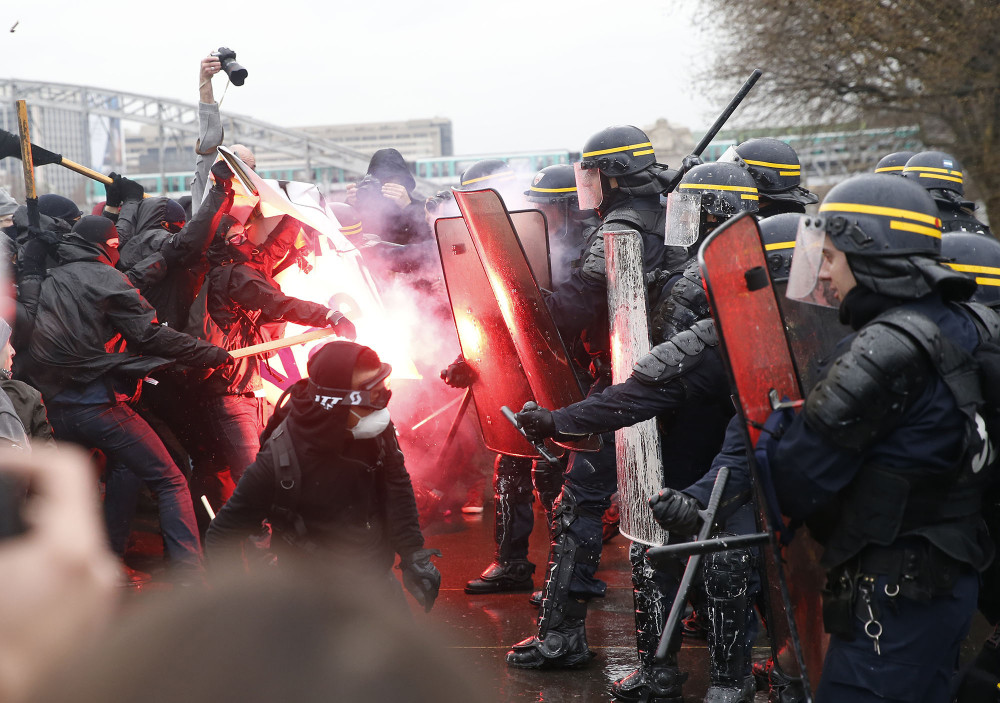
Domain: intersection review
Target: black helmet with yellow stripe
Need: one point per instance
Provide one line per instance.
(874, 214)
(778, 235)
(978, 257)
(776, 170)
(936, 170)
(553, 184)
(488, 173)
(894, 163)
(620, 150)
(725, 188)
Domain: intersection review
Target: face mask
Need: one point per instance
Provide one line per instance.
(371, 425)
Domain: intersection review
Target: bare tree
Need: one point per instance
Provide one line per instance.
(925, 62)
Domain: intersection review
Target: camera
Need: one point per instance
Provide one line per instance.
(369, 191)
(237, 74)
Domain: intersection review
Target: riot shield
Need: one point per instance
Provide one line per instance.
(750, 328)
(484, 338)
(813, 332)
(533, 235)
(637, 448)
(536, 339)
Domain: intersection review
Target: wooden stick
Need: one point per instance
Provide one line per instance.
(88, 172)
(30, 193)
(280, 343)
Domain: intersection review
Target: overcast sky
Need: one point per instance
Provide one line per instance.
(516, 75)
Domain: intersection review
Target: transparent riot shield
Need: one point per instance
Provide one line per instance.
(752, 334)
(589, 189)
(637, 448)
(536, 339)
(531, 232)
(484, 338)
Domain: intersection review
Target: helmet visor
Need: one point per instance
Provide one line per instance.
(589, 190)
(731, 156)
(804, 283)
(683, 218)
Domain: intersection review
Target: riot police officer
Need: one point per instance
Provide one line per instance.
(623, 182)
(777, 173)
(941, 174)
(886, 462)
(681, 382)
(553, 191)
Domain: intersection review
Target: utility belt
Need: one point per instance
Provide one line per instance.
(918, 571)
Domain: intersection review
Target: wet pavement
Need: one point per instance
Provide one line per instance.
(485, 626)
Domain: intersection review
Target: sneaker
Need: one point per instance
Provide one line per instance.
(473, 503)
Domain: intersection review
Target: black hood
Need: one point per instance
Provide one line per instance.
(75, 248)
(49, 224)
(389, 163)
(148, 215)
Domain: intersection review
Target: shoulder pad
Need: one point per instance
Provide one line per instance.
(675, 357)
(625, 215)
(869, 387)
(987, 321)
(684, 304)
(594, 267)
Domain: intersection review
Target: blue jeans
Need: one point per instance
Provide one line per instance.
(134, 452)
(232, 425)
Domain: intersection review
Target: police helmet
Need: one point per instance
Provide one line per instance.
(776, 170)
(778, 234)
(977, 256)
(935, 170)
(725, 188)
(874, 214)
(893, 163)
(620, 150)
(486, 174)
(553, 184)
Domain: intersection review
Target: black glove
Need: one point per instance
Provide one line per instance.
(690, 161)
(421, 577)
(459, 374)
(122, 190)
(536, 422)
(676, 511)
(223, 174)
(341, 325)
(217, 358)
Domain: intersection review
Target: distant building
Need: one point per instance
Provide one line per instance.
(414, 139)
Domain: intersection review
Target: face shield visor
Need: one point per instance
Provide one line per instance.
(730, 156)
(683, 218)
(804, 282)
(589, 189)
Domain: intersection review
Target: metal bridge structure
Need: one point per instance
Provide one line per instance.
(85, 125)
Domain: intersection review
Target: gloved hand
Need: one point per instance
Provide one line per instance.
(774, 429)
(536, 422)
(459, 374)
(690, 161)
(122, 189)
(341, 325)
(218, 358)
(421, 577)
(676, 511)
(223, 174)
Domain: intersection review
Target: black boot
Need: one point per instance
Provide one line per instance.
(653, 681)
(784, 688)
(561, 646)
(515, 575)
(728, 602)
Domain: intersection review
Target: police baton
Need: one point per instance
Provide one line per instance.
(717, 126)
(539, 447)
(693, 563)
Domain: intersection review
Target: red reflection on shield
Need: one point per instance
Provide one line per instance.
(536, 339)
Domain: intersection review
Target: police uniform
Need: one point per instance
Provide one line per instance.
(886, 462)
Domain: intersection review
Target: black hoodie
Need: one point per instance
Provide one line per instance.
(86, 307)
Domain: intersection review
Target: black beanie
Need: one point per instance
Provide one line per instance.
(95, 228)
(174, 212)
(333, 364)
(58, 207)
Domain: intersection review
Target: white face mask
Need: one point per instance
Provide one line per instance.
(371, 425)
